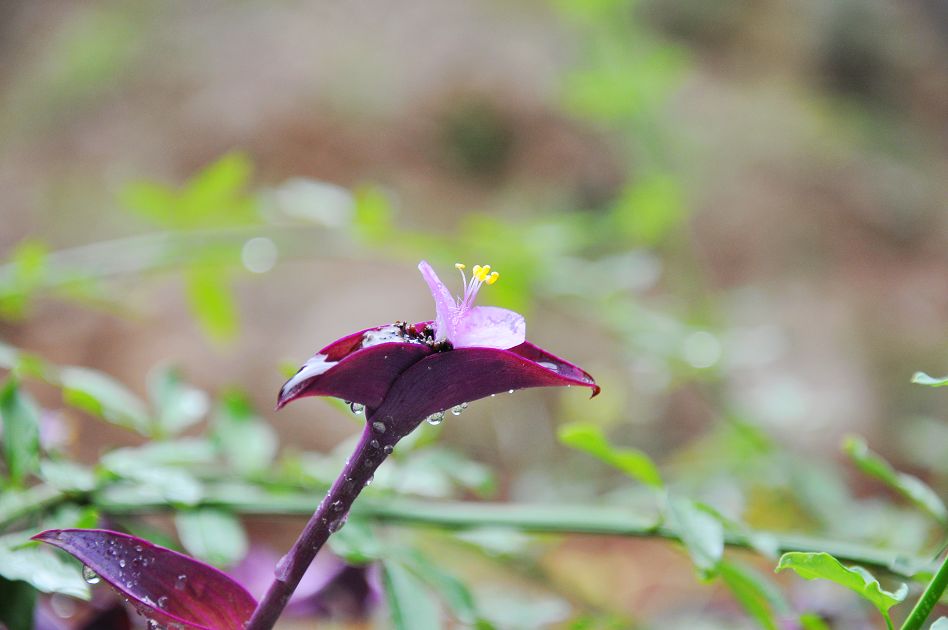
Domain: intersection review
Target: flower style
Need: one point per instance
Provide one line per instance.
(402, 373)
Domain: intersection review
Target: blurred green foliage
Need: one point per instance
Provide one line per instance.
(618, 268)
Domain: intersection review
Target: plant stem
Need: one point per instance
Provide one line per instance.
(328, 518)
(925, 603)
(541, 518)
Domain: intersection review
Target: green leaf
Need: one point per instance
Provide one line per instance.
(21, 443)
(821, 565)
(649, 209)
(216, 196)
(212, 535)
(810, 621)
(181, 452)
(373, 215)
(212, 303)
(102, 396)
(633, 462)
(940, 624)
(45, 571)
(756, 594)
(17, 601)
(701, 532)
(71, 515)
(178, 405)
(920, 378)
(452, 591)
(24, 277)
(410, 604)
(909, 486)
(356, 543)
(155, 468)
(66, 475)
(247, 443)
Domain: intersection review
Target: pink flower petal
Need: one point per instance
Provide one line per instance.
(490, 327)
(445, 306)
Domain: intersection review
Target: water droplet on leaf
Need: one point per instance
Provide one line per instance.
(356, 408)
(436, 418)
(458, 409)
(387, 449)
(90, 576)
(180, 583)
(378, 427)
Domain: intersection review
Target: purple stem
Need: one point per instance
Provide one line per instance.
(371, 451)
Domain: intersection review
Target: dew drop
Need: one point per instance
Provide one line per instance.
(510, 391)
(356, 408)
(90, 576)
(122, 563)
(138, 548)
(378, 427)
(458, 409)
(162, 601)
(436, 418)
(180, 583)
(337, 505)
(368, 482)
(337, 524)
(374, 444)
(387, 449)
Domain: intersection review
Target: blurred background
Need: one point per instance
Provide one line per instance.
(733, 214)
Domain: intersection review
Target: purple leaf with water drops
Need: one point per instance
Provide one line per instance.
(163, 585)
(403, 373)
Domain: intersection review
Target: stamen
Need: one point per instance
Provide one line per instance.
(492, 278)
(459, 266)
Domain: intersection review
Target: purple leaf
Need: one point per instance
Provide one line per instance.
(403, 373)
(340, 368)
(446, 379)
(161, 584)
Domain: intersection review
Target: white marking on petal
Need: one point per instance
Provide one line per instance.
(384, 334)
(315, 366)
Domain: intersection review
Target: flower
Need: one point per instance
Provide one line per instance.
(402, 373)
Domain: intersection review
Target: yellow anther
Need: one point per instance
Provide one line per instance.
(492, 278)
(476, 270)
(481, 273)
(459, 266)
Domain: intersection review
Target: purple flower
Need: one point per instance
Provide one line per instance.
(330, 588)
(403, 373)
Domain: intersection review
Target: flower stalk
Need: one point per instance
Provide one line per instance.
(372, 449)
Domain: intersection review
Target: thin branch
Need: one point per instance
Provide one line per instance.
(926, 603)
(538, 518)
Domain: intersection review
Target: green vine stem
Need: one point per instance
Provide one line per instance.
(249, 500)
(926, 603)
